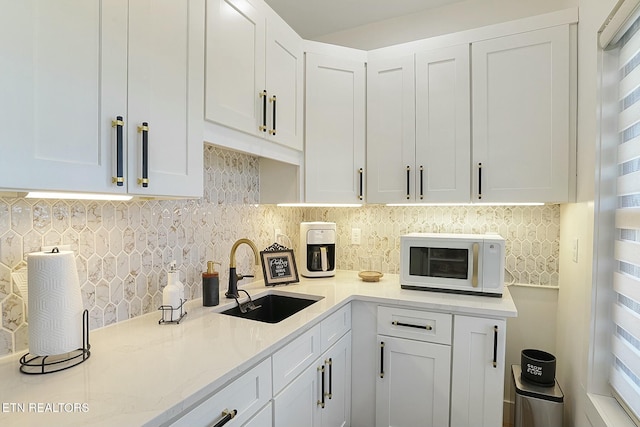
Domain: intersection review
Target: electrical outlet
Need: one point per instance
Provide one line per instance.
(60, 248)
(575, 251)
(276, 233)
(355, 236)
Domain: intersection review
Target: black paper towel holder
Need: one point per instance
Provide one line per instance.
(39, 365)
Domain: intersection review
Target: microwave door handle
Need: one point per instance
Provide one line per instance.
(474, 278)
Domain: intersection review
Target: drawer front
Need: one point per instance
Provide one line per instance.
(291, 360)
(415, 324)
(246, 395)
(335, 326)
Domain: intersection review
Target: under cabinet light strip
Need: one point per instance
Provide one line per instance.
(320, 205)
(462, 204)
(76, 196)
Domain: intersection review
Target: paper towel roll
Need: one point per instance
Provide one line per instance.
(55, 303)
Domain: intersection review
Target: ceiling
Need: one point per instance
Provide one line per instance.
(315, 18)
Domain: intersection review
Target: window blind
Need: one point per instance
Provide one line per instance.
(625, 370)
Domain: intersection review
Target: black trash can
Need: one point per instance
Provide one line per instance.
(535, 405)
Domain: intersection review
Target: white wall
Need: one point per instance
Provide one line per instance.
(459, 16)
(535, 327)
(577, 222)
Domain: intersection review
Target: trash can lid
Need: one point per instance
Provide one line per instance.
(525, 388)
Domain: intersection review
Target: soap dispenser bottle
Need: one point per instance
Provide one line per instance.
(210, 286)
(174, 275)
(171, 300)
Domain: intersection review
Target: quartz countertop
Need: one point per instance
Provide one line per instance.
(141, 373)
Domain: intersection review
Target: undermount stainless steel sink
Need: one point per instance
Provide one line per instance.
(273, 308)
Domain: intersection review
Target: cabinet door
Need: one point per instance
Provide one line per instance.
(521, 117)
(246, 395)
(413, 385)
(299, 403)
(337, 363)
(284, 83)
(166, 54)
(63, 81)
(477, 380)
(335, 130)
(264, 418)
(443, 125)
(391, 134)
(235, 50)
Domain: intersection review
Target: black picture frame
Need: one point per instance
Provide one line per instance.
(279, 267)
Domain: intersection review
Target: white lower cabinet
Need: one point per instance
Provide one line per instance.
(264, 418)
(477, 380)
(412, 389)
(245, 396)
(315, 393)
(321, 395)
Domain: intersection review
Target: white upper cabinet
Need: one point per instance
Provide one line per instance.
(391, 133)
(418, 147)
(443, 125)
(72, 67)
(335, 130)
(521, 123)
(63, 66)
(166, 81)
(254, 66)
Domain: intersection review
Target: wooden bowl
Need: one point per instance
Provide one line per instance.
(370, 276)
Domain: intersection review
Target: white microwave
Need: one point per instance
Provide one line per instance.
(458, 263)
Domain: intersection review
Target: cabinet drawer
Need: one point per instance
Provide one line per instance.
(292, 359)
(334, 327)
(246, 395)
(415, 324)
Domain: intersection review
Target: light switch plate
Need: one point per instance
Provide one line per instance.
(355, 236)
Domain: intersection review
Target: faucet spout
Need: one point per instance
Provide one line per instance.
(232, 292)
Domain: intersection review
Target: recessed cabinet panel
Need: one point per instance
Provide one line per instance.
(56, 56)
(477, 379)
(284, 65)
(443, 125)
(390, 130)
(166, 48)
(335, 130)
(413, 384)
(235, 64)
(521, 117)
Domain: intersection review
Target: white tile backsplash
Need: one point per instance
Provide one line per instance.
(123, 249)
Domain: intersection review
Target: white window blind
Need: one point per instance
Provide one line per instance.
(625, 372)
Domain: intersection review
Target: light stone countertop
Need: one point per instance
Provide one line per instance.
(141, 373)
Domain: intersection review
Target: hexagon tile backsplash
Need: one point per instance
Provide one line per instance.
(123, 249)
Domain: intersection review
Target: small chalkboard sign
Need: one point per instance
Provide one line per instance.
(278, 265)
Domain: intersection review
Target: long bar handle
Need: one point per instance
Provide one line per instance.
(474, 278)
(118, 123)
(495, 346)
(361, 176)
(408, 181)
(263, 95)
(409, 325)
(144, 129)
(381, 359)
(226, 417)
(329, 363)
(322, 394)
(421, 182)
(273, 130)
(479, 180)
